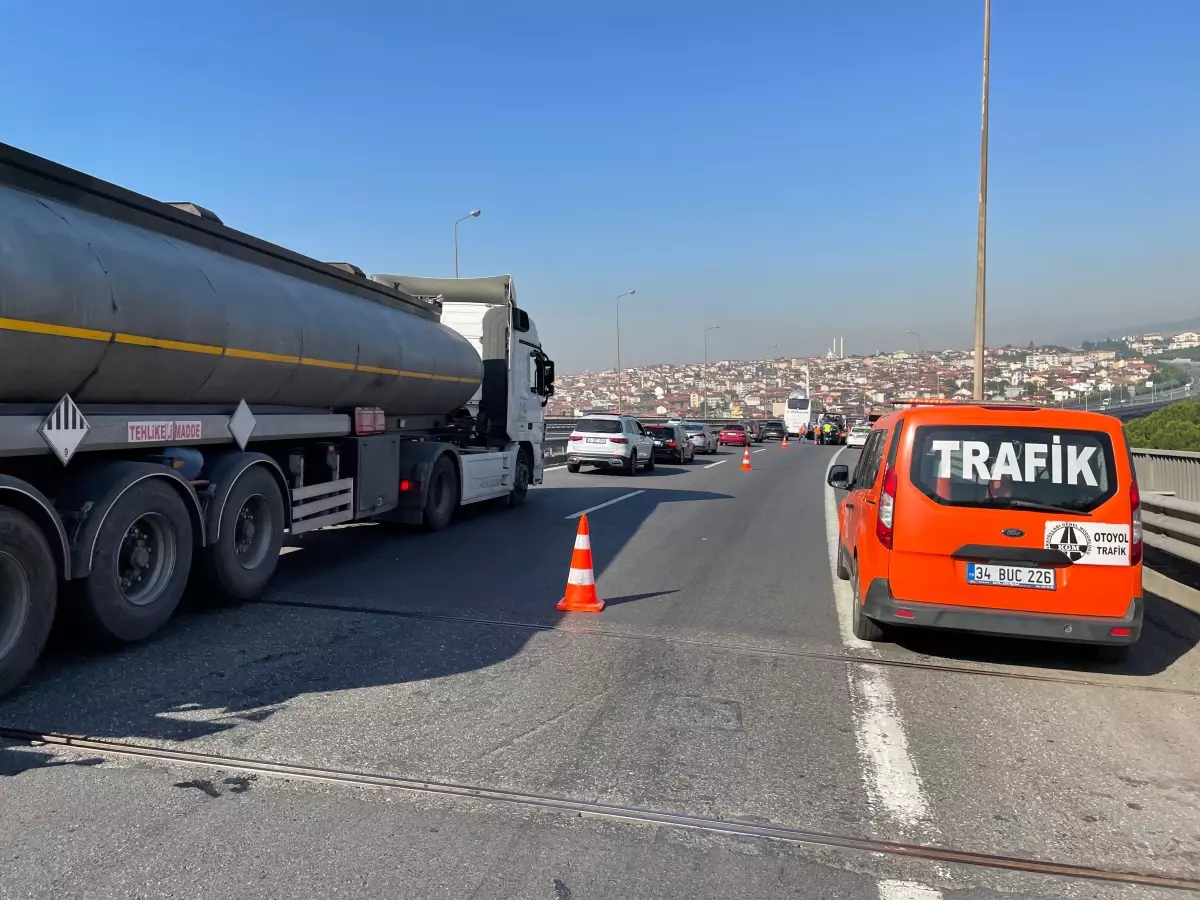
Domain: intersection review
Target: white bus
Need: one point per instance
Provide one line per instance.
(801, 413)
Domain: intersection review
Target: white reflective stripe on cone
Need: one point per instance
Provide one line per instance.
(581, 576)
(583, 542)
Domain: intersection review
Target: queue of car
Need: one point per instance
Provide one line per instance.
(618, 442)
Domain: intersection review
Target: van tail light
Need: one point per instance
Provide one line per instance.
(619, 440)
(887, 509)
(1135, 530)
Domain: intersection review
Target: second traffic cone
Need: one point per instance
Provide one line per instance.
(581, 582)
(783, 446)
(746, 460)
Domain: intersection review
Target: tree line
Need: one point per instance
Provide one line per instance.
(1174, 427)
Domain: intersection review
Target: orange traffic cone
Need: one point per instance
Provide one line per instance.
(581, 583)
(746, 460)
(783, 446)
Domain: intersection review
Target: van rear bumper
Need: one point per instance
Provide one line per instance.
(880, 605)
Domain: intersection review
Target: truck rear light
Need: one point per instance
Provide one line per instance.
(1135, 529)
(887, 509)
(408, 486)
(619, 440)
(369, 420)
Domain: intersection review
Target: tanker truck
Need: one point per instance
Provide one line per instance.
(176, 397)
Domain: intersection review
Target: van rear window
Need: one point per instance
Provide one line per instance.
(1003, 466)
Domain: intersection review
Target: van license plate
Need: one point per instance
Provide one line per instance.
(1011, 576)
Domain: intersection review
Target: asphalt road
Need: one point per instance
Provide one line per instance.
(721, 682)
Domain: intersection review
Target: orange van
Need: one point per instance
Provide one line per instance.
(1005, 519)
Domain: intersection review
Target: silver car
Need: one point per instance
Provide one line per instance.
(610, 442)
(703, 438)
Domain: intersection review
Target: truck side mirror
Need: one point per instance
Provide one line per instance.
(520, 319)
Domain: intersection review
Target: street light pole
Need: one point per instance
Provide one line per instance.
(704, 371)
(920, 361)
(620, 377)
(981, 249)
(473, 214)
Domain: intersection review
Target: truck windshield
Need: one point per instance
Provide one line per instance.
(1010, 466)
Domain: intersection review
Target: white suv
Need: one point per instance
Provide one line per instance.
(610, 442)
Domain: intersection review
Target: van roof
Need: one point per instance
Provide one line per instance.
(1004, 414)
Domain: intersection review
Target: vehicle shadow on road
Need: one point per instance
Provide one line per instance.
(18, 759)
(350, 608)
(1169, 632)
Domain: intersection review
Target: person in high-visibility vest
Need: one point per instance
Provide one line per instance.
(827, 430)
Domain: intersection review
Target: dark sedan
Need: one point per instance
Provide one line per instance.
(773, 430)
(672, 442)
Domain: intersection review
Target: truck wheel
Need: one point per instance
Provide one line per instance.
(140, 566)
(28, 596)
(441, 499)
(521, 477)
(246, 552)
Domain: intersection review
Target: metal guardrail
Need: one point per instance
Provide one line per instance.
(1172, 526)
(554, 449)
(1171, 471)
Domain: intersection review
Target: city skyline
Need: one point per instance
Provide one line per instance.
(821, 180)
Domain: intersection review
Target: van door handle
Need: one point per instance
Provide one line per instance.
(849, 506)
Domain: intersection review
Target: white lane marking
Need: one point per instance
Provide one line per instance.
(760, 450)
(602, 505)
(719, 463)
(552, 468)
(892, 780)
(907, 890)
(843, 597)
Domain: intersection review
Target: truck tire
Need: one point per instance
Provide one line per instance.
(522, 475)
(441, 497)
(28, 596)
(246, 553)
(140, 566)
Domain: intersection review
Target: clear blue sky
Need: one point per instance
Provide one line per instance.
(786, 170)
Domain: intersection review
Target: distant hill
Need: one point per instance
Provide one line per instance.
(1192, 324)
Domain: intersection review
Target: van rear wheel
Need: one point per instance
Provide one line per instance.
(864, 627)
